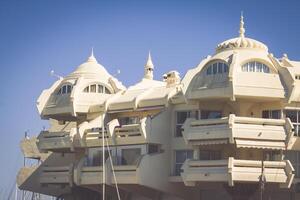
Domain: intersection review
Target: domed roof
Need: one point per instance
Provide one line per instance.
(91, 67)
(241, 41)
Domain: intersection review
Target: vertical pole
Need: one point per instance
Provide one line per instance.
(16, 193)
(24, 163)
(103, 159)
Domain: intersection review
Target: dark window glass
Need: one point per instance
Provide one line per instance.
(209, 70)
(210, 155)
(225, 68)
(180, 158)
(292, 114)
(220, 67)
(209, 114)
(215, 68)
(130, 156)
(93, 88)
(100, 89)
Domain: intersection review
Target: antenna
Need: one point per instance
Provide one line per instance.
(118, 72)
(52, 73)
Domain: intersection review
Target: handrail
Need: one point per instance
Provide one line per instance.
(238, 120)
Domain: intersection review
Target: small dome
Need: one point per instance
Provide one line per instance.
(241, 41)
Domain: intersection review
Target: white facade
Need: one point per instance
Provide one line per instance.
(231, 120)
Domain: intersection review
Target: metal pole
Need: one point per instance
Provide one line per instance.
(16, 194)
(103, 159)
(24, 164)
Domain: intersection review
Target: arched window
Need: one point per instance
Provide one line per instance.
(255, 66)
(96, 88)
(65, 89)
(217, 68)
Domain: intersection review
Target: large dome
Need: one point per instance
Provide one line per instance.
(91, 66)
(241, 42)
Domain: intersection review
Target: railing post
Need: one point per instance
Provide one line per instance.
(230, 171)
(231, 125)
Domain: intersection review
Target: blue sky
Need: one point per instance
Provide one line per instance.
(39, 35)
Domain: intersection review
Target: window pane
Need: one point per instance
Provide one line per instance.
(266, 69)
(245, 67)
(265, 114)
(69, 89)
(209, 70)
(215, 68)
(292, 114)
(64, 89)
(107, 91)
(204, 155)
(59, 91)
(93, 88)
(86, 89)
(252, 67)
(100, 89)
(258, 67)
(180, 156)
(181, 117)
(225, 68)
(276, 114)
(208, 114)
(130, 156)
(220, 67)
(178, 169)
(178, 131)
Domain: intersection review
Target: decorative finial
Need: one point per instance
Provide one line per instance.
(242, 29)
(149, 63)
(149, 68)
(92, 57)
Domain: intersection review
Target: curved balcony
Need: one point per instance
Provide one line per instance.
(57, 175)
(241, 131)
(56, 141)
(233, 171)
(128, 134)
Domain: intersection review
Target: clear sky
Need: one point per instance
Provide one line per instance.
(39, 35)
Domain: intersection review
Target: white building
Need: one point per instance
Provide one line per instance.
(230, 125)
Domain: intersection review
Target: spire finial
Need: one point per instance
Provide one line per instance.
(92, 54)
(92, 57)
(242, 29)
(149, 68)
(149, 63)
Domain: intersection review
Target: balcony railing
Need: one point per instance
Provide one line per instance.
(232, 171)
(57, 175)
(56, 141)
(242, 131)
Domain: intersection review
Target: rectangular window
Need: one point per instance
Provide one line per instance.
(245, 67)
(209, 70)
(100, 89)
(181, 116)
(225, 68)
(220, 68)
(180, 158)
(252, 67)
(130, 156)
(271, 114)
(93, 88)
(129, 120)
(294, 116)
(215, 68)
(95, 157)
(210, 114)
(259, 67)
(210, 155)
(272, 156)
